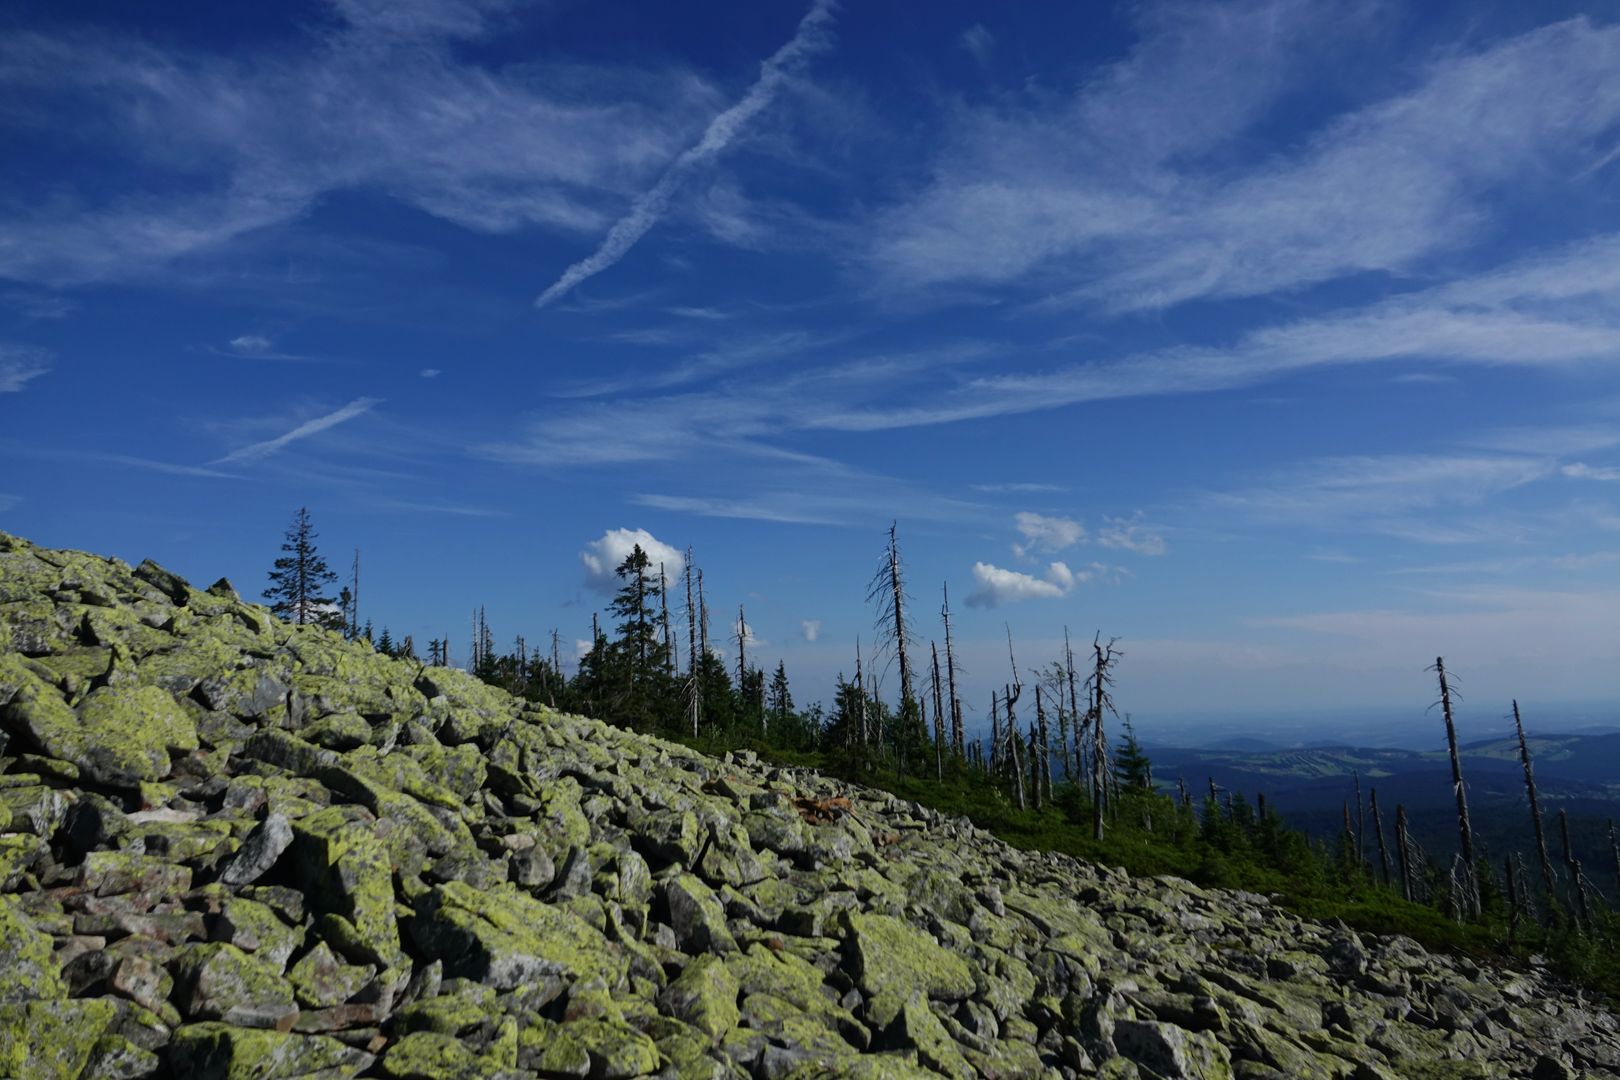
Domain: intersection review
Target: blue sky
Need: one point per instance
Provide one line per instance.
(1278, 339)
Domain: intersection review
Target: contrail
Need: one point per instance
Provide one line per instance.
(302, 431)
(807, 40)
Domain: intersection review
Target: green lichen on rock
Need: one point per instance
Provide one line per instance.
(895, 957)
(28, 970)
(346, 869)
(219, 981)
(704, 996)
(118, 736)
(505, 937)
(219, 1051)
(50, 1040)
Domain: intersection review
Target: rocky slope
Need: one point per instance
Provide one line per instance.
(232, 849)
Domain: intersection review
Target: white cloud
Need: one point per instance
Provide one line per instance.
(810, 629)
(603, 555)
(251, 343)
(1017, 487)
(384, 101)
(1581, 471)
(741, 628)
(998, 586)
(258, 450)
(430, 373)
(1123, 195)
(810, 37)
(19, 366)
(978, 41)
(1046, 534)
(1129, 534)
(39, 305)
(1392, 494)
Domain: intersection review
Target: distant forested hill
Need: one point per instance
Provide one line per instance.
(1579, 774)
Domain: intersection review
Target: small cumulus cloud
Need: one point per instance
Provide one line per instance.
(430, 373)
(1129, 534)
(810, 629)
(997, 585)
(603, 555)
(251, 344)
(1046, 534)
(742, 631)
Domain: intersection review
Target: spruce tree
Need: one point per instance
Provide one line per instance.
(301, 577)
(780, 702)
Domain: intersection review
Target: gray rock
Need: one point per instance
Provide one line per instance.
(259, 852)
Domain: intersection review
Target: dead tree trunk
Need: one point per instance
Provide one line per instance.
(694, 697)
(1350, 837)
(1514, 907)
(939, 719)
(1045, 744)
(958, 734)
(1361, 824)
(1535, 815)
(1016, 759)
(1465, 830)
(1614, 851)
(1074, 709)
(995, 732)
(860, 697)
(1403, 844)
(1577, 879)
(1378, 834)
(742, 656)
(1009, 700)
(1101, 702)
(1035, 768)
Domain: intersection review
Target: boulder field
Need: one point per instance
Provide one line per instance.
(235, 849)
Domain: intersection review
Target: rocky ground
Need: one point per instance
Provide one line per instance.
(233, 849)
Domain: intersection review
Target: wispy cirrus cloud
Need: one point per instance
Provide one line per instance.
(1118, 196)
(20, 365)
(380, 98)
(810, 37)
(1392, 494)
(268, 447)
(1581, 471)
(1553, 310)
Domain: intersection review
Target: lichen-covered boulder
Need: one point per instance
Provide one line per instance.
(347, 872)
(506, 938)
(27, 969)
(119, 736)
(219, 981)
(894, 957)
(221, 1051)
(51, 1040)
